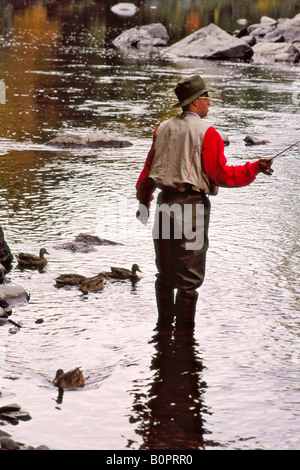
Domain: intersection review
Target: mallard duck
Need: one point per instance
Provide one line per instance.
(91, 284)
(27, 260)
(122, 273)
(72, 379)
(69, 280)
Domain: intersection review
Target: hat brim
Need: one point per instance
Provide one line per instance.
(183, 103)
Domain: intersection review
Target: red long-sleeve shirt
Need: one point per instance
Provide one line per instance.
(214, 164)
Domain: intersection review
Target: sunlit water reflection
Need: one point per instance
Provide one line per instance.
(239, 381)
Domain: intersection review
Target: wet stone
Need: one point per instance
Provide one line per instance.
(97, 139)
(76, 247)
(93, 240)
(251, 140)
(8, 444)
(10, 407)
(13, 413)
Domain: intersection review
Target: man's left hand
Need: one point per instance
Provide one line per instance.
(265, 166)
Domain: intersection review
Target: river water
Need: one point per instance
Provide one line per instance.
(236, 385)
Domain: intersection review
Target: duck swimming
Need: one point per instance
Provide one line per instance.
(72, 379)
(26, 260)
(123, 273)
(69, 280)
(91, 284)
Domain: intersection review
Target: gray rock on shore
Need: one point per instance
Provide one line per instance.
(273, 40)
(13, 294)
(268, 41)
(211, 42)
(287, 30)
(13, 414)
(266, 52)
(142, 37)
(7, 443)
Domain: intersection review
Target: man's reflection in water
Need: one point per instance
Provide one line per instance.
(170, 415)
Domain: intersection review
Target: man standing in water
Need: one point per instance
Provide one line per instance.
(187, 163)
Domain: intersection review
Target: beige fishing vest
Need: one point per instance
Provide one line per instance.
(176, 164)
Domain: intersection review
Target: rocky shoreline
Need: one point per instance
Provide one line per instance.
(13, 414)
(7, 443)
(269, 41)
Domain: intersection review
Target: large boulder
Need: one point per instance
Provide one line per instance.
(266, 26)
(96, 139)
(13, 294)
(211, 42)
(287, 30)
(268, 52)
(275, 40)
(142, 37)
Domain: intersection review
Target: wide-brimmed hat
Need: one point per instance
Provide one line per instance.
(188, 90)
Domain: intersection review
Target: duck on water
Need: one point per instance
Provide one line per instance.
(27, 260)
(123, 273)
(95, 283)
(72, 379)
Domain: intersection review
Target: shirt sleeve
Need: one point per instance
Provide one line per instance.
(215, 165)
(145, 186)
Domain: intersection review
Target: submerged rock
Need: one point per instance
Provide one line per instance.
(93, 240)
(76, 247)
(211, 42)
(225, 139)
(142, 37)
(85, 243)
(96, 139)
(251, 140)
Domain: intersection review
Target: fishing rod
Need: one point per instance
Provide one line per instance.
(285, 150)
(270, 171)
